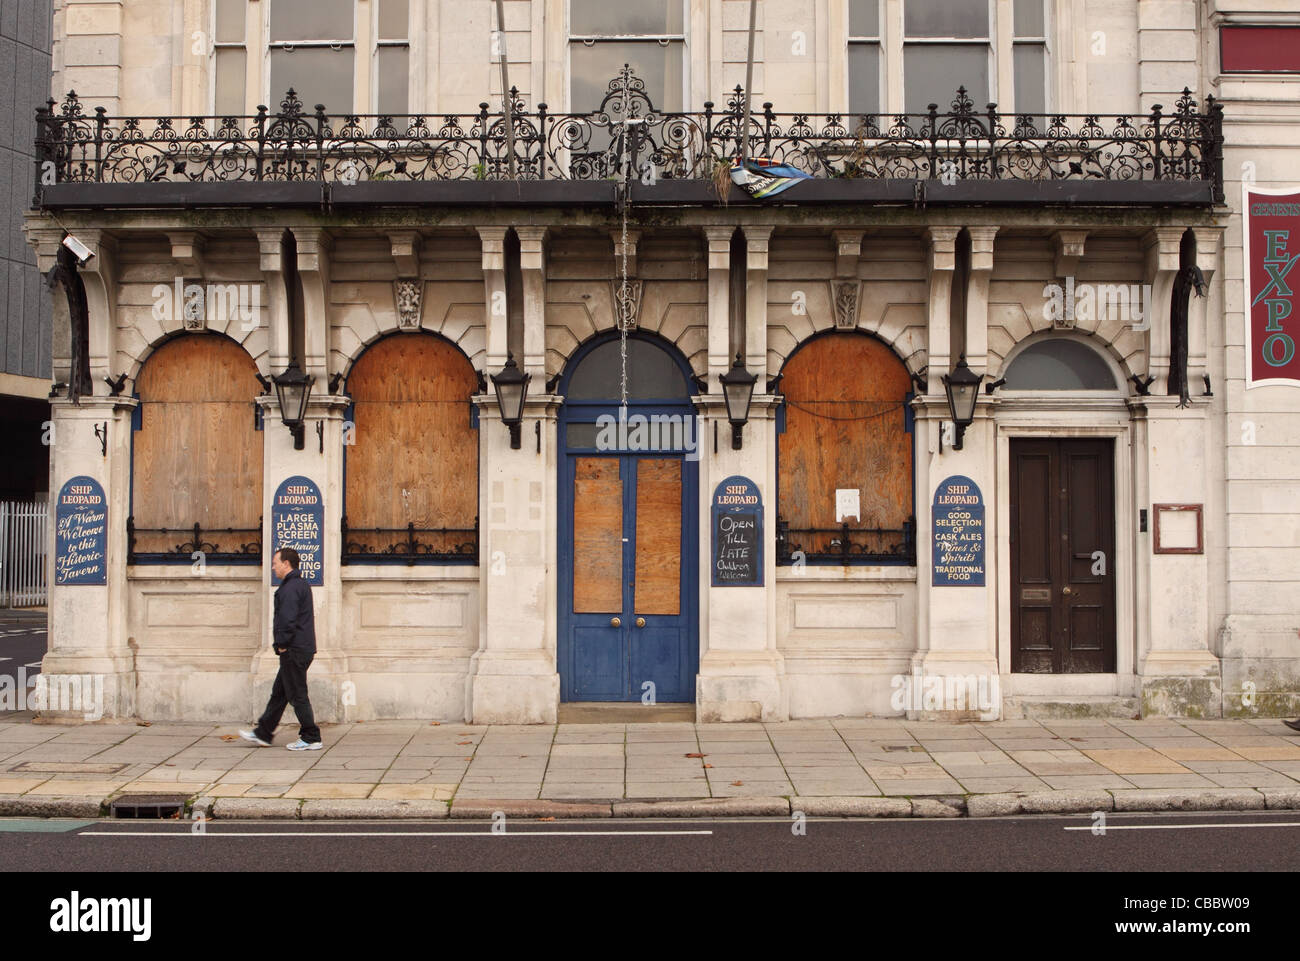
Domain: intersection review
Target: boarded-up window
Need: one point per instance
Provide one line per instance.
(845, 431)
(412, 474)
(197, 455)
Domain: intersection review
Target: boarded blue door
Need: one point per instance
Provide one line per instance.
(628, 582)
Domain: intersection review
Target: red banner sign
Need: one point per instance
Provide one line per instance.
(1271, 247)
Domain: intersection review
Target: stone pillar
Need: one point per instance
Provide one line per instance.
(742, 675)
(756, 242)
(956, 626)
(532, 262)
(1178, 673)
(1162, 248)
(513, 674)
(493, 240)
(718, 240)
(87, 623)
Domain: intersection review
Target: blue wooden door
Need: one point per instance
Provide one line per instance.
(628, 582)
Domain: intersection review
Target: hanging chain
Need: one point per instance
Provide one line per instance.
(622, 301)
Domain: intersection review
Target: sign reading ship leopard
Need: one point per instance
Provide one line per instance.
(81, 533)
(298, 521)
(737, 534)
(958, 534)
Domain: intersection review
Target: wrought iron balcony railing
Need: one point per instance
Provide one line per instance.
(627, 145)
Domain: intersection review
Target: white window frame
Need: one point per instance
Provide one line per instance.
(1000, 44)
(878, 40)
(213, 47)
(377, 42)
(271, 98)
(664, 39)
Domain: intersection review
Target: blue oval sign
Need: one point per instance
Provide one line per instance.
(81, 533)
(958, 534)
(298, 521)
(737, 534)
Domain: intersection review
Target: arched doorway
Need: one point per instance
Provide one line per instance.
(628, 535)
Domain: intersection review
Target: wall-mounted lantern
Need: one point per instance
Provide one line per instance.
(738, 391)
(293, 389)
(963, 387)
(511, 386)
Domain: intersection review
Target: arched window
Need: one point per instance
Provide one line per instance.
(1059, 364)
(846, 450)
(196, 465)
(411, 489)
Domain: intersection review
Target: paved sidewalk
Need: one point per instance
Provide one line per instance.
(822, 766)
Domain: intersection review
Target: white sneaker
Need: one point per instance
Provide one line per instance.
(250, 736)
(301, 745)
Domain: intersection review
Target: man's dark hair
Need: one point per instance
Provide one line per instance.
(290, 555)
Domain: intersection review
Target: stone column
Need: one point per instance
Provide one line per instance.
(718, 240)
(493, 240)
(757, 238)
(957, 636)
(742, 675)
(87, 623)
(1162, 248)
(513, 674)
(1178, 673)
(532, 262)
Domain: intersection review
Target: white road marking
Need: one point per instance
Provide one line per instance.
(1186, 827)
(33, 664)
(385, 834)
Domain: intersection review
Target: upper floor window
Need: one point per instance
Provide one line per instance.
(996, 49)
(325, 50)
(648, 35)
(864, 56)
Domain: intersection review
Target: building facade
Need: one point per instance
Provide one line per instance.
(1032, 205)
(24, 305)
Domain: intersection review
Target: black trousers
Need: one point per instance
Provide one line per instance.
(290, 687)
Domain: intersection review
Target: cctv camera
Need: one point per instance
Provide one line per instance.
(79, 250)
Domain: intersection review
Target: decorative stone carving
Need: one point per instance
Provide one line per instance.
(409, 300)
(846, 303)
(627, 303)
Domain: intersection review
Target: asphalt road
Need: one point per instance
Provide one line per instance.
(1247, 842)
(22, 645)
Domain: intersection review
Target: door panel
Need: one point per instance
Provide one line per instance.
(597, 536)
(658, 536)
(629, 618)
(1062, 556)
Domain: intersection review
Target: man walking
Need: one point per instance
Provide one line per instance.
(294, 638)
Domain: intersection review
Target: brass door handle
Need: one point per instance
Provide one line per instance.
(640, 622)
(615, 622)
(1066, 590)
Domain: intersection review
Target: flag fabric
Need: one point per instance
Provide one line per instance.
(761, 178)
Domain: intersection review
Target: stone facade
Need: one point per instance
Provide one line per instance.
(1205, 634)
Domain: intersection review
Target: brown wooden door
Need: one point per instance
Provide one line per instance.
(1062, 556)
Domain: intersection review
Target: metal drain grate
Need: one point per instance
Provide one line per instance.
(153, 806)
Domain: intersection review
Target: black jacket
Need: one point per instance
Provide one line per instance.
(295, 619)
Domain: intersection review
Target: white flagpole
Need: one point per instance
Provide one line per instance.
(507, 108)
(749, 82)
